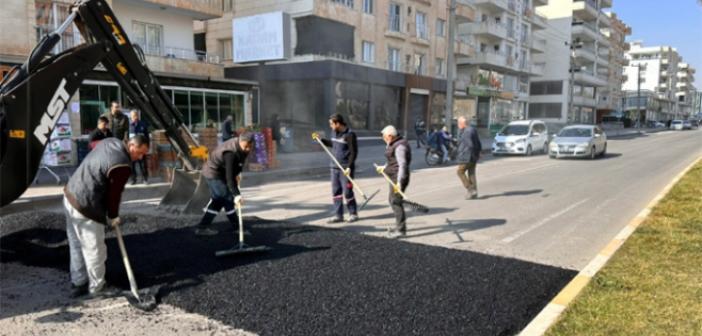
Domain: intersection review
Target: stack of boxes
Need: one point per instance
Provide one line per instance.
(208, 138)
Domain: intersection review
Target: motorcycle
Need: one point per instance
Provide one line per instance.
(434, 156)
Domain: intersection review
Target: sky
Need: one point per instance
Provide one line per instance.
(676, 23)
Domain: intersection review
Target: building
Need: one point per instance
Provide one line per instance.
(577, 62)
(378, 62)
(496, 77)
(660, 71)
(164, 30)
(610, 97)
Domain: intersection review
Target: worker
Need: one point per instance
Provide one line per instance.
(139, 127)
(228, 128)
(91, 201)
(221, 172)
(119, 123)
(345, 150)
(399, 156)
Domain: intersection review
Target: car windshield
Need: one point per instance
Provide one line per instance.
(515, 130)
(575, 133)
(677, 122)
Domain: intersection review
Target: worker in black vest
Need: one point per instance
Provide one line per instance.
(91, 201)
(399, 156)
(345, 150)
(222, 175)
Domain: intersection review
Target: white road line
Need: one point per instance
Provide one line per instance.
(146, 200)
(518, 234)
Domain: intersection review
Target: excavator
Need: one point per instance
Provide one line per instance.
(34, 95)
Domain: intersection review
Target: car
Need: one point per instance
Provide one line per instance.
(695, 123)
(586, 141)
(676, 125)
(521, 137)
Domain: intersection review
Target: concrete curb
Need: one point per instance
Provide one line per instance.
(549, 315)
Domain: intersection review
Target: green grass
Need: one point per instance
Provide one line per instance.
(653, 283)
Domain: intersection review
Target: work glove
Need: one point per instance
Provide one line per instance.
(315, 136)
(380, 169)
(114, 222)
(238, 200)
(347, 172)
(396, 188)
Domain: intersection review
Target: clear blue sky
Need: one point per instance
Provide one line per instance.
(677, 23)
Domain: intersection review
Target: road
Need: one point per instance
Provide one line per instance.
(553, 212)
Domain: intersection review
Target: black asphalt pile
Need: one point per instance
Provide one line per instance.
(316, 281)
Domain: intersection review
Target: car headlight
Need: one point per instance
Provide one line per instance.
(553, 145)
(584, 145)
(520, 141)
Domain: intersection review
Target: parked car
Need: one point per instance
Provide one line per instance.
(676, 125)
(695, 123)
(579, 141)
(521, 137)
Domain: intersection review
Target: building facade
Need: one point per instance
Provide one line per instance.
(496, 77)
(577, 62)
(610, 97)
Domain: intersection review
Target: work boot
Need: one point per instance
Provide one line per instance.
(395, 234)
(352, 219)
(205, 231)
(106, 292)
(78, 291)
(335, 220)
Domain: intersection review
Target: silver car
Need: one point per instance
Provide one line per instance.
(578, 141)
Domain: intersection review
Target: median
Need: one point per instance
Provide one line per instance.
(652, 285)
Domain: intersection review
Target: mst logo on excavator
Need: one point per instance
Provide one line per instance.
(53, 111)
(115, 31)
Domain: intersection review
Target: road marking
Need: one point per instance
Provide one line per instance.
(518, 234)
(548, 316)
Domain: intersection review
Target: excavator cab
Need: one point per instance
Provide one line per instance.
(34, 95)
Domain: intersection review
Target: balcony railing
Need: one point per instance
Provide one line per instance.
(179, 53)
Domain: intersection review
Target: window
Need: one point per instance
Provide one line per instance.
(225, 46)
(546, 88)
(510, 27)
(368, 52)
(368, 6)
(419, 64)
(149, 37)
(439, 67)
(227, 5)
(421, 21)
(440, 27)
(347, 3)
(394, 17)
(545, 110)
(393, 59)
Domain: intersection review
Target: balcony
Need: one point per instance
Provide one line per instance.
(605, 21)
(538, 46)
(487, 29)
(180, 66)
(603, 52)
(463, 47)
(585, 9)
(584, 101)
(538, 22)
(585, 54)
(682, 85)
(464, 12)
(198, 10)
(538, 69)
(492, 6)
(588, 77)
(603, 62)
(492, 59)
(605, 4)
(586, 31)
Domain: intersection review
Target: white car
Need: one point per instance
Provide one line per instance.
(677, 125)
(579, 141)
(521, 137)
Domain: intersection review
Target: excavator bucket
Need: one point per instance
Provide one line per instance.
(188, 194)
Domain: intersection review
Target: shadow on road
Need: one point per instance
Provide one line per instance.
(512, 193)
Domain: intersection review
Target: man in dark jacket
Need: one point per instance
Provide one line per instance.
(345, 149)
(101, 132)
(228, 128)
(399, 156)
(469, 148)
(221, 172)
(420, 129)
(119, 123)
(139, 127)
(91, 201)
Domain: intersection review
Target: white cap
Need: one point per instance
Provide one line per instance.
(389, 130)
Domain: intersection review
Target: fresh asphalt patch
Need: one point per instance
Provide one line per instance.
(315, 281)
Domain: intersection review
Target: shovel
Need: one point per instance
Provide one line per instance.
(366, 199)
(145, 300)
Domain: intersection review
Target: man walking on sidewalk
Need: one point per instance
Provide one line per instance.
(221, 173)
(398, 155)
(91, 201)
(469, 148)
(345, 149)
(139, 127)
(420, 129)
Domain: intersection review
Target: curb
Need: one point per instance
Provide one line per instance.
(548, 316)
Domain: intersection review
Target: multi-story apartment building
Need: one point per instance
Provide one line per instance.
(496, 77)
(164, 31)
(378, 62)
(610, 96)
(655, 70)
(577, 62)
(685, 89)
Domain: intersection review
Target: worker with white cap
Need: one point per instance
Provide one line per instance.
(398, 155)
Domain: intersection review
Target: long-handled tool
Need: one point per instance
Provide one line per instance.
(241, 247)
(145, 300)
(366, 199)
(413, 205)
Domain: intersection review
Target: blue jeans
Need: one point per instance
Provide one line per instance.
(220, 197)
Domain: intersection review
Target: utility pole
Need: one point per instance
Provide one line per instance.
(451, 64)
(638, 95)
(572, 66)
